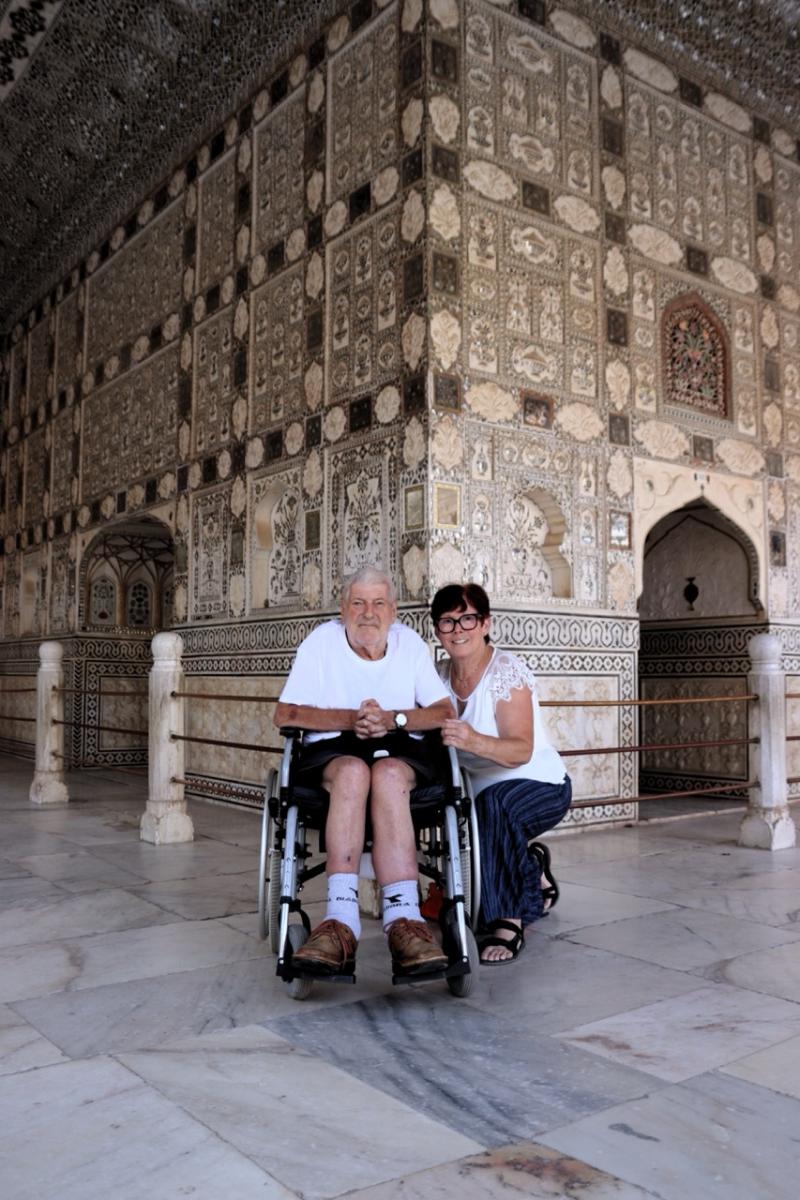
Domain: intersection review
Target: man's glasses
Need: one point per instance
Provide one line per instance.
(465, 621)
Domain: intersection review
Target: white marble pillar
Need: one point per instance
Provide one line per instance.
(767, 825)
(165, 819)
(48, 785)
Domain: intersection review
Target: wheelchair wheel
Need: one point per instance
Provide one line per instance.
(299, 989)
(462, 985)
(269, 885)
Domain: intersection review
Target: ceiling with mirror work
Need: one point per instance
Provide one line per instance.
(99, 99)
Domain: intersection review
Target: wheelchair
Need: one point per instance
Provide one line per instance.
(447, 851)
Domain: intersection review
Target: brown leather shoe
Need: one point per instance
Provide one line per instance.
(413, 949)
(330, 950)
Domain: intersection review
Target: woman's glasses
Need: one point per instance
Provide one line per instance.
(465, 621)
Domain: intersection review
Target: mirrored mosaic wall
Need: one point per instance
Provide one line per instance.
(463, 289)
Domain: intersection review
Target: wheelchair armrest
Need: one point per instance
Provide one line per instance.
(291, 731)
(455, 769)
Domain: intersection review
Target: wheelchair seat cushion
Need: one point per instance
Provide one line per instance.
(312, 757)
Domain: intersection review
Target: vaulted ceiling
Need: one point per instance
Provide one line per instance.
(99, 99)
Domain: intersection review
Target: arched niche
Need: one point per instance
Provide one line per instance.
(698, 564)
(126, 577)
(660, 489)
(276, 567)
(533, 565)
(696, 357)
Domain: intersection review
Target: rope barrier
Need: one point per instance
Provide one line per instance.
(732, 787)
(104, 728)
(15, 691)
(661, 746)
(222, 696)
(793, 695)
(793, 737)
(7, 717)
(645, 703)
(179, 737)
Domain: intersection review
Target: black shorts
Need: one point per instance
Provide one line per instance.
(315, 755)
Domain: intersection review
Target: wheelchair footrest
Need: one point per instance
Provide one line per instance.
(287, 973)
(456, 969)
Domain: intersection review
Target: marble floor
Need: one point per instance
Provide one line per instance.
(645, 1045)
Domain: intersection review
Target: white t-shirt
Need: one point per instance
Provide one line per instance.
(504, 674)
(328, 673)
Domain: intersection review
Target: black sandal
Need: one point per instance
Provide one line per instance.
(551, 893)
(514, 945)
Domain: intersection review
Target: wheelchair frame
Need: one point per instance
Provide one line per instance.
(282, 873)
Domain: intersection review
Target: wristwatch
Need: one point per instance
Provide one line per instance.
(400, 720)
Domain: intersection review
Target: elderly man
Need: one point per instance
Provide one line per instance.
(366, 687)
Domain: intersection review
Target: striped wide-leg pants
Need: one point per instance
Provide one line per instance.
(510, 814)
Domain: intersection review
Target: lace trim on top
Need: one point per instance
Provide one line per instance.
(508, 673)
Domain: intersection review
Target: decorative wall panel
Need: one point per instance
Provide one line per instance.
(364, 302)
(278, 337)
(36, 475)
(363, 80)
(69, 342)
(138, 288)
(129, 426)
(210, 554)
(213, 382)
(279, 172)
(216, 234)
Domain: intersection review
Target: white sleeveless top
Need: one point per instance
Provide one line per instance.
(503, 675)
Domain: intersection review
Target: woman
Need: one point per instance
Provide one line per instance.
(520, 782)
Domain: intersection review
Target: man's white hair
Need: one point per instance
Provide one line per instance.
(369, 575)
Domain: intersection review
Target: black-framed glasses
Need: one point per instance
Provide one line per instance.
(466, 621)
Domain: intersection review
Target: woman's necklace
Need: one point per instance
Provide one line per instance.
(464, 683)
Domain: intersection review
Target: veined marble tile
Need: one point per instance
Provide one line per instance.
(88, 829)
(20, 840)
(579, 906)
(589, 846)
(441, 1056)
(525, 1169)
(556, 985)
(79, 871)
(28, 971)
(774, 972)
(667, 877)
(684, 938)
(776, 1068)
(184, 861)
(677, 1038)
(256, 1090)
(23, 890)
(147, 1012)
(711, 1137)
(12, 870)
(204, 896)
(772, 898)
(22, 1046)
(92, 1130)
(64, 916)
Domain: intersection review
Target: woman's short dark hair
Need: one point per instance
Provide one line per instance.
(454, 597)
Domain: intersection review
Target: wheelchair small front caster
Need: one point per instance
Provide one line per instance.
(462, 985)
(298, 988)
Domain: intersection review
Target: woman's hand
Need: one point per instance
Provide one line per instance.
(458, 734)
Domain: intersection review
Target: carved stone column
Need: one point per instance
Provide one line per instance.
(165, 819)
(767, 824)
(49, 786)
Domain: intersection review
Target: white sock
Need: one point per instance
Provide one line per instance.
(400, 900)
(343, 901)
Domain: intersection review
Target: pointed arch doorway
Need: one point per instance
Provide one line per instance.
(699, 603)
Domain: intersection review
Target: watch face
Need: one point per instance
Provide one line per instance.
(400, 720)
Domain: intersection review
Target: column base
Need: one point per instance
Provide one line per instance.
(165, 828)
(48, 788)
(767, 829)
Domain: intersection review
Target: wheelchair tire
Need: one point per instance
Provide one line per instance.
(298, 989)
(269, 886)
(462, 985)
